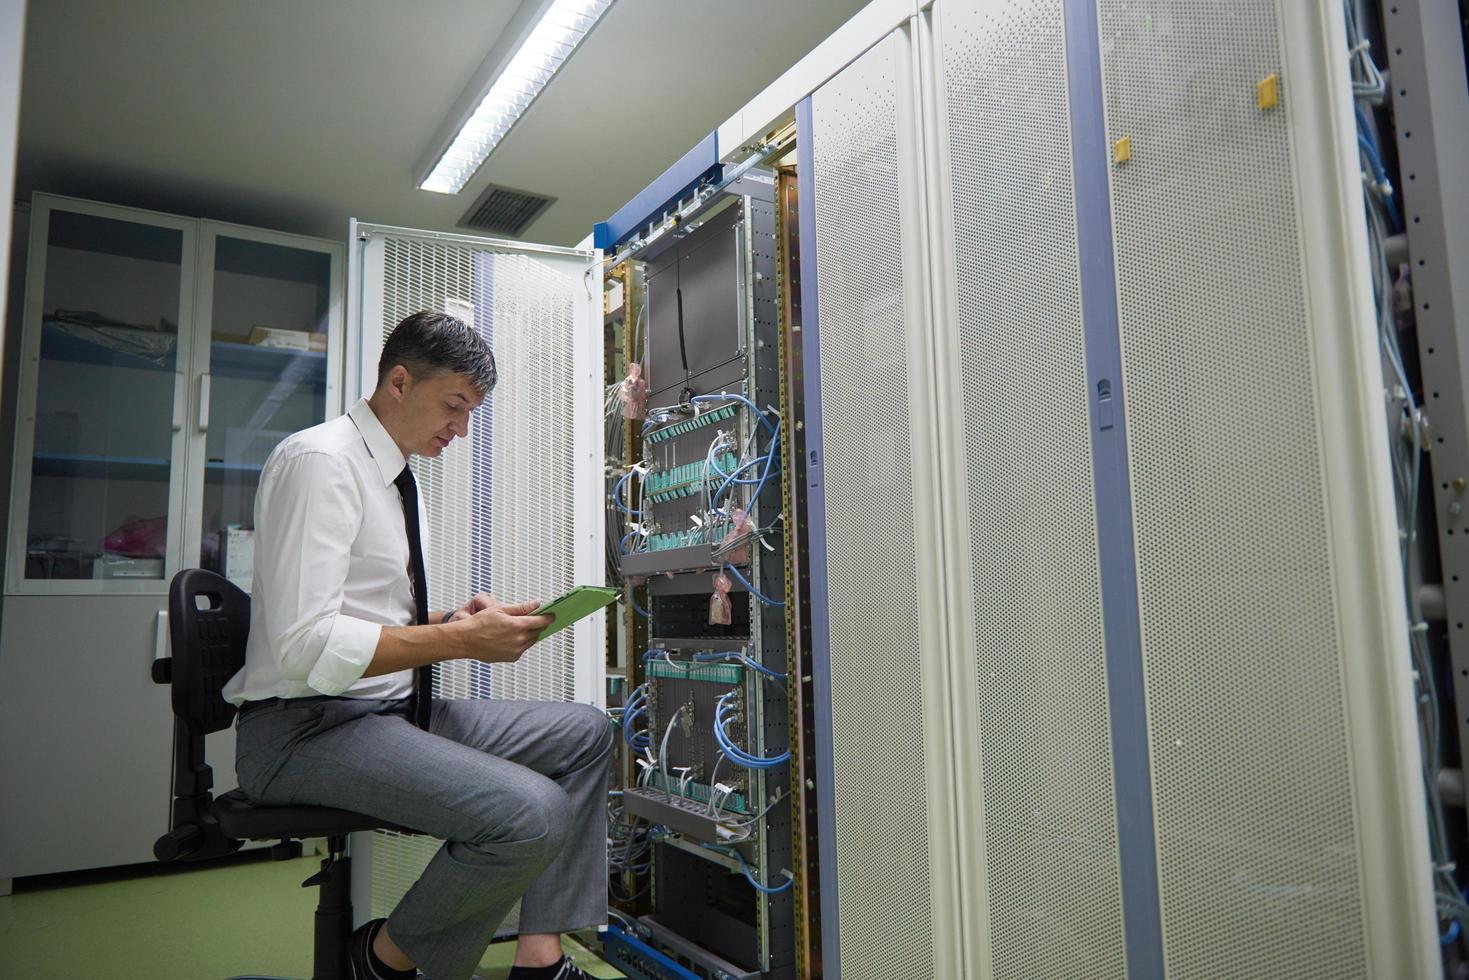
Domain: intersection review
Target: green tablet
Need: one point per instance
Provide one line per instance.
(580, 602)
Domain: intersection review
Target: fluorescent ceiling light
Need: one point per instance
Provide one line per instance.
(549, 44)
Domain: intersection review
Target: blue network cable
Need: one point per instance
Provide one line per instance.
(748, 661)
(617, 496)
(750, 877)
(732, 477)
(748, 872)
(768, 459)
(752, 590)
(754, 409)
(635, 707)
(1368, 146)
(723, 711)
(769, 463)
(734, 480)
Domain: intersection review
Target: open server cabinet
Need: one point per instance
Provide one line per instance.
(1096, 649)
(700, 535)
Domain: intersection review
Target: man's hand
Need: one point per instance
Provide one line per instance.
(496, 633)
(482, 601)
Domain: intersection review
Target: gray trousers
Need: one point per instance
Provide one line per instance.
(516, 790)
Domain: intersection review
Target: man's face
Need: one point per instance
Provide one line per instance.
(436, 411)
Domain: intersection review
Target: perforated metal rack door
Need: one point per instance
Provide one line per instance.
(883, 879)
(501, 515)
(1257, 841)
(1048, 817)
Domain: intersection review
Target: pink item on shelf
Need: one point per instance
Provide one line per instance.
(720, 612)
(739, 551)
(633, 393)
(138, 537)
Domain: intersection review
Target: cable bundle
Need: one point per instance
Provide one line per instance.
(724, 713)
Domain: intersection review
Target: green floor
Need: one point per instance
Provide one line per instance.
(249, 916)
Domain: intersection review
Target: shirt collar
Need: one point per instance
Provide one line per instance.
(380, 446)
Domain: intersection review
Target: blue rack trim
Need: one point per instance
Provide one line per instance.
(816, 525)
(698, 166)
(1142, 923)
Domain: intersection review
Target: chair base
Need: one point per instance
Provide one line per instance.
(333, 911)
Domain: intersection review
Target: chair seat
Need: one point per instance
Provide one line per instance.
(244, 819)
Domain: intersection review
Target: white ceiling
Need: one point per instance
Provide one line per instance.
(298, 114)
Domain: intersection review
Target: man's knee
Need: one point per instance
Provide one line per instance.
(539, 821)
(589, 733)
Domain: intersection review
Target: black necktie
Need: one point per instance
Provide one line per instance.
(423, 677)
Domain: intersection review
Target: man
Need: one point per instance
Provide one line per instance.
(516, 790)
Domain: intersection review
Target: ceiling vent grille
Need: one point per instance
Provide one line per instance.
(504, 211)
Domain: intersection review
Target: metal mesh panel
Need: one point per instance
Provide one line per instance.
(1257, 846)
(1055, 906)
(883, 885)
(500, 503)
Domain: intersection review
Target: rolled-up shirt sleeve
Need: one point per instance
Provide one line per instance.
(309, 513)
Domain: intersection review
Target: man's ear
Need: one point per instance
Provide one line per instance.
(398, 381)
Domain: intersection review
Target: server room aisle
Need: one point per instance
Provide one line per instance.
(249, 916)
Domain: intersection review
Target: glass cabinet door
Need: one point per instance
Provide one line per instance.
(99, 389)
(271, 308)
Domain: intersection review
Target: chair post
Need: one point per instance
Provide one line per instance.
(333, 911)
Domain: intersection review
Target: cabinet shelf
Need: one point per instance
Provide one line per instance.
(217, 471)
(100, 467)
(250, 361)
(226, 358)
(125, 467)
(58, 344)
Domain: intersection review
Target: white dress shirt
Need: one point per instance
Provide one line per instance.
(331, 564)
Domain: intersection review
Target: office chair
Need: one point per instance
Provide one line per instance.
(208, 621)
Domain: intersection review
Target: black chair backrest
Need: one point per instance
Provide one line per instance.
(208, 623)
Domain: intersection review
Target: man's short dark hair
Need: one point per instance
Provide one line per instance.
(429, 343)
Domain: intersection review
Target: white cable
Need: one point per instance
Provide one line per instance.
(713, 781)
(663, 748)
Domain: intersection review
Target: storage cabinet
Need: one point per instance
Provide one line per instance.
(259, 289)
(162, 359)
(97, 489)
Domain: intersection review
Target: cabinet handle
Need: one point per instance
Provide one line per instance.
(160, 635)
(180, 396)
(203, 403)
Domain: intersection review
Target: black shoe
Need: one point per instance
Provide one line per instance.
(565, 970)
(359, 957)
(357, 949)
(570, 971)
